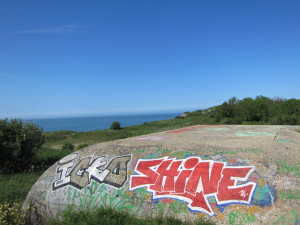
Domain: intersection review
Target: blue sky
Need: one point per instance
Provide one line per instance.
(72, 58)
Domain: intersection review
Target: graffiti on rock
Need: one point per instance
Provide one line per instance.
(152, 138)
(228, 152)
(241, 217)
(265, 195)
(219, 129)
(253, 134)
(292, 218)
(96, 195)
(80, 173)
(265, 192)
(179, 182)
(193, 180)
(188, 129)
(292, 194)
(285, 141)
(251, 150)
(291, 168)
(234, 152)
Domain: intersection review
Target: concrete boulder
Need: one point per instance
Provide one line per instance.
(229, 174)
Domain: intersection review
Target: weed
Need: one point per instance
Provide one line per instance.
(109, 216)
(15, 187)
(12, 213)
(84, 145)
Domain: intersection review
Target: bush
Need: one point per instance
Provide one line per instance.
(19, 143)
(68, 147)
(12, 213)
(82, 146)
(115, 126)
(226, 120)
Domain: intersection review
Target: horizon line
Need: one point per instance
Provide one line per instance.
(92, 115)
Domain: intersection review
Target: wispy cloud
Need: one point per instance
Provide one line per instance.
(8, 76)
(52, 30)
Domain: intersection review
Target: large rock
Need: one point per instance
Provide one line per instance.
(229, 174)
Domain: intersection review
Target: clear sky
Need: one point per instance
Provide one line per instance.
(72, 58)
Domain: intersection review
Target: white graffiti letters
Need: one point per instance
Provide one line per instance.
(80, 174)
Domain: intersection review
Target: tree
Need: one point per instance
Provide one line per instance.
(115, 126)
(19, 142)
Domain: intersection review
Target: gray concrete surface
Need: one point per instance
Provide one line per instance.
(230, 174)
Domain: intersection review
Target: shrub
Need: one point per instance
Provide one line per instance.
(10, 213)
(68, 146)
(115, 126)
(19, 142)
(226, 120)
(84, 145)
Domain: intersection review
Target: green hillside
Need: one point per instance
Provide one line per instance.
(15, 184)
(261, 110)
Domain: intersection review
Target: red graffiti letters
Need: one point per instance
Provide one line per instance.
(193, 180)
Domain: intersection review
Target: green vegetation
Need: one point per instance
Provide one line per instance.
(261, 110)
(115, 126)
(68, 146)
(109, 216)
(84, 145)
(11, 213)
(19, 143)
(15, 186)
(57, 139)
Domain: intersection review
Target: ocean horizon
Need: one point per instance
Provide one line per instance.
(90, 123)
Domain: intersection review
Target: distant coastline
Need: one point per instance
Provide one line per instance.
(90, 123)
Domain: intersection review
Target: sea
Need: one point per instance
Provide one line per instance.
(98, 122)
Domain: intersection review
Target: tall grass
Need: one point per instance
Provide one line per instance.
(15, 187)
(109, 216)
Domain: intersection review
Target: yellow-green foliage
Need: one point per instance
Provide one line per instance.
(12, 213)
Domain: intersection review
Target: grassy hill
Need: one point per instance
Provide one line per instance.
(261, 110)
